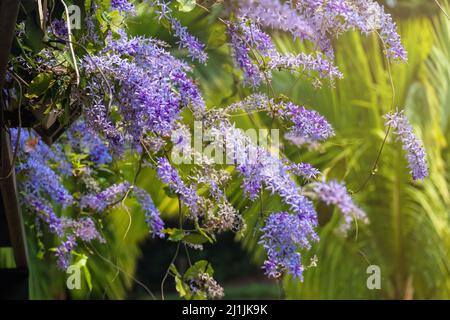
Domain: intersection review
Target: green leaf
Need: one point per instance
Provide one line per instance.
(165, 23)
(87, 275)
(217, 37)
(170, 193)
(179, 286)
(211, 238)
(175, 234)
(186, 5)
(201, 266)
(34, 34)
(39, 85)
(195, 238)
(174, 270)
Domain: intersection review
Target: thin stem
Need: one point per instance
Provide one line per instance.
(168, 269)
(72, 51)
(124, 272)
(391, 81)
(176, 251)
(375, 165)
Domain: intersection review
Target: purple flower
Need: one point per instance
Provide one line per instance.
(59, 27)
(260, 168)
(45, 213)
(150, 88)
(97, 119)
(84, 139)
(163, 9)
(83, 229)
(415, 152)
(152, 215)
(336, 193)
(31, 146)
(123, 6)
(276, 15)
(189, 42)
(41, 178)
(308, 124)
(242, 56)
(283, 235)
(306, 63)
(304, 170)
(63, 252)
(320, 21)
(100, 201)
(170, 176)
(196, 49)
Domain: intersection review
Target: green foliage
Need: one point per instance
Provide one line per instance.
(182, 281)
(39, 85)
(186, 5)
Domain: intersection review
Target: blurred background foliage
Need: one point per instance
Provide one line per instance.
(409, 233)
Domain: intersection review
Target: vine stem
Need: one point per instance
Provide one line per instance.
(391, 82)
(176, 252)
(123, 271)
(72, 51)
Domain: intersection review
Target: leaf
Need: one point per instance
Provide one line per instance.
(186, 5)
(34, 34)
(170, 193)
(175, 234)
(216, 10)
(195, 238)
(174, 270)
(87, 275)
(165, 23)
(211, 238)
(217, 37)
(179, 286)
(201, 266)
(39, 85)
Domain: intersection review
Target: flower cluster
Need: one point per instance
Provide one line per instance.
(82, 138)
(169, 175)
(283, 235)
(83, 228)
(304, 170)
(259, 168)
(204, 284)
(319, 20)
(227, 218)
(45, 213)
(308, 126)
(107, 198)
(152, 89)
(255, 54)
(152, 217)
(336, 193)
(59, 28)
(63, 252)
(415, 153)
(123, 6)
(196, 49)
(187, 41)
(42, 169)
